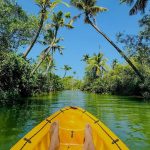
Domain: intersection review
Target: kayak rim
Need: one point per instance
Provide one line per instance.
(49, 121)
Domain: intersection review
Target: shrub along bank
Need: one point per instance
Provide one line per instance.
(15, 79)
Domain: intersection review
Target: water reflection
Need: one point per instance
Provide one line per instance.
(129, 118)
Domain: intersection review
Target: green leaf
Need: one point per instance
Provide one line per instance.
(69, 26)
(68, 15)
(97, 9)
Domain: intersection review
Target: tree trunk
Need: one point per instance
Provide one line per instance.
(49, 64)
(118, 49)
(46, 52)
(36, 36)
(65, 74)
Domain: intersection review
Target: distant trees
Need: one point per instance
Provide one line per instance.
(66, 68)
(114, 63)
(70, 83)
(74, 73)
(119, 80)
(96, 65)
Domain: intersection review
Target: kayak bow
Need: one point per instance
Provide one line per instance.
(72, 121)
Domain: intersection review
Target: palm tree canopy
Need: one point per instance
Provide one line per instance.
(88, 7)
(67, 68)
(48, 38)
(139, 5)
(59, 20)
(114, 63)
(74, 72)
(45, 63)
(43, 3)
(85, 57)
(96, 64)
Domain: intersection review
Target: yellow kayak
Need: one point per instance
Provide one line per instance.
(72, 121)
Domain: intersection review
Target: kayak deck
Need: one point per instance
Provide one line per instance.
(72, 121)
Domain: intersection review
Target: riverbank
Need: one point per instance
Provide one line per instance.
(119, 79)
(16, 79)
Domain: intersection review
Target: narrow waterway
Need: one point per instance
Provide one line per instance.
(129, 118)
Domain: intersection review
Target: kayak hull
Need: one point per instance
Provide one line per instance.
(72, 121)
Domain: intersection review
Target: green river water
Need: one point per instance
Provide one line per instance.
(128, 118)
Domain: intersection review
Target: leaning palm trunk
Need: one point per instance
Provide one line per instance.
(36, 36)
(118, 49)
(43, 58)
(65, 74)
(49, 64)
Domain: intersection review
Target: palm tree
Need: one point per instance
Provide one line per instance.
(47, 65)
(114, 63)
(90, 10)
(47, 40)
(43, 5)
(74, 73)
(85, 57)
(66, 68)
(46, 51)
(96, 65)
(139, 5)
(51, 39)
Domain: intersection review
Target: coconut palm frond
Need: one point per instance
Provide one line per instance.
(85, 57)
(127, 1)
(60, 49)
(96, 9)
(67, 15)
(140, 5)
(69, 26)
(54, 4)
(78, 4)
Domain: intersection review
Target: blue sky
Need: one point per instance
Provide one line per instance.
(83, 39)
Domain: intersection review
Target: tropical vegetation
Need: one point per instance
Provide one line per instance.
(22, 77)
(120, 78)
(90, 10)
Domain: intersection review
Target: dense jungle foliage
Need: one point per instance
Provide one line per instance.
(21, 77)
(15, 79)
(17, 29)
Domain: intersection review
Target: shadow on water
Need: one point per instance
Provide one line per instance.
(128, 117)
